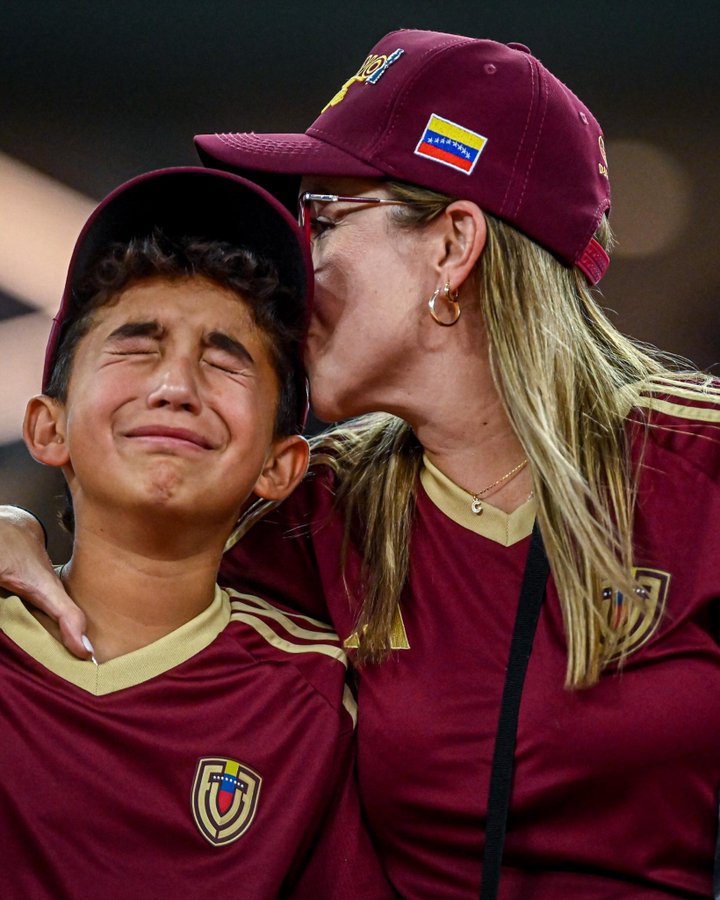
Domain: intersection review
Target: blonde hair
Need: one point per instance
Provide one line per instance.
(567, 379)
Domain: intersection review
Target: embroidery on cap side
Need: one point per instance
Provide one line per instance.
(603, 166)
(371, 71)
(450, 144)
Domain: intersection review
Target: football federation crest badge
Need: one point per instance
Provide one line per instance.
(635, 622)
(225, 796)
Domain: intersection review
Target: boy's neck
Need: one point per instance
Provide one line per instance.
(134, 592)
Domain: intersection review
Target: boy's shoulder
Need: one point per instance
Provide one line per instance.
(275, 636)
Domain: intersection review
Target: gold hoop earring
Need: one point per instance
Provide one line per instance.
(451, 311)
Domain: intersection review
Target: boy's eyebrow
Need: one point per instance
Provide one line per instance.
(138, 329)
(223, 341)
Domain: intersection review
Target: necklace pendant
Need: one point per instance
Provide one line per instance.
(476, 506)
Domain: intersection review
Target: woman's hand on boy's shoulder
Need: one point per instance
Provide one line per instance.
(26, 570)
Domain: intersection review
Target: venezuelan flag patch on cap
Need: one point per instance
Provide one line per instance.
(451, 144)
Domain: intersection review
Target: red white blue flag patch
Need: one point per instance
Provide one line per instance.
(451, 144)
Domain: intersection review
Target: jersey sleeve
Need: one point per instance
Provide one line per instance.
(335, 859)
(277, 558)
(677, 538)
(342, 863)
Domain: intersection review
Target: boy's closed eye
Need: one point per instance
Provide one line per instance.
(227, 354)
(134, 346)
(220, 351)
(135, 338)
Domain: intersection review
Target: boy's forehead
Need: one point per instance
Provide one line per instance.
(195, 300)
(197, 312)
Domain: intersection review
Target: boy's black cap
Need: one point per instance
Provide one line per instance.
(190, 201)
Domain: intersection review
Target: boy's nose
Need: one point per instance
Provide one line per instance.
(175, 385)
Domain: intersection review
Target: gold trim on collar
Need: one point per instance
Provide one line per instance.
(124, 671)
(494, 524)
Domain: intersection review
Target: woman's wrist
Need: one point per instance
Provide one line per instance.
(26, 519)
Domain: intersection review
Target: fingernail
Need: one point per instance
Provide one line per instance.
(89, 647)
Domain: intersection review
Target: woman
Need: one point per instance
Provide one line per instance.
(456, 194)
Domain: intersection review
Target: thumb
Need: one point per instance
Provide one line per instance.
(47, 593)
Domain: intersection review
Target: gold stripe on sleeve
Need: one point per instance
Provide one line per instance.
(251, 603)
(275, 640)
(693, 413)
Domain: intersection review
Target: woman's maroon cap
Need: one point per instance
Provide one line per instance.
(474, 119)
(191, 201)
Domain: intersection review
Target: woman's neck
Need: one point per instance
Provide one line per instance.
(466, 432)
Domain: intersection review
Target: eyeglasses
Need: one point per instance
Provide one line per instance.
(305, 201)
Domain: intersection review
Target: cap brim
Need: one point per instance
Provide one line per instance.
(278, 161)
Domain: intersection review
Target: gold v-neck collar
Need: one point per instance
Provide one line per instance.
(124, 671)
(494, 524)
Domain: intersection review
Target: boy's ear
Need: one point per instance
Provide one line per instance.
(44, 431)
(284, 468)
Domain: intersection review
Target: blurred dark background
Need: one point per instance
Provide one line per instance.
(93, 93)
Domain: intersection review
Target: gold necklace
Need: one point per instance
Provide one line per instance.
(476, 503)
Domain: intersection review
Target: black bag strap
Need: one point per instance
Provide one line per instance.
(532, 593)
(716, 866)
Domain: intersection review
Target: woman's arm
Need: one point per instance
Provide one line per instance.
(277, 559)
(26, 570)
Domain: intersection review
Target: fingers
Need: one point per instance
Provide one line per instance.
(26, 570)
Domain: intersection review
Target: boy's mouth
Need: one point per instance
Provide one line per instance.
(165, 434)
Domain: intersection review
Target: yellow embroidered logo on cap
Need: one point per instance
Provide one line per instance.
(370, 71)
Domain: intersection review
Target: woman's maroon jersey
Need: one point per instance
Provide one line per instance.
(615, 787)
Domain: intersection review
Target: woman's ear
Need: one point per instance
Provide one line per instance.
(44, 431)
(284, 468)
(464, 230)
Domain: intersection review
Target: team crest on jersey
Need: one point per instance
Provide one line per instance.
(225, 796)
(370, 72)
(635, 622)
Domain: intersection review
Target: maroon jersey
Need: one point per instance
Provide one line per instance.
(615, 790)
(215, 762)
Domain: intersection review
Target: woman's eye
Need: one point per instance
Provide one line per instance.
(319, 225)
